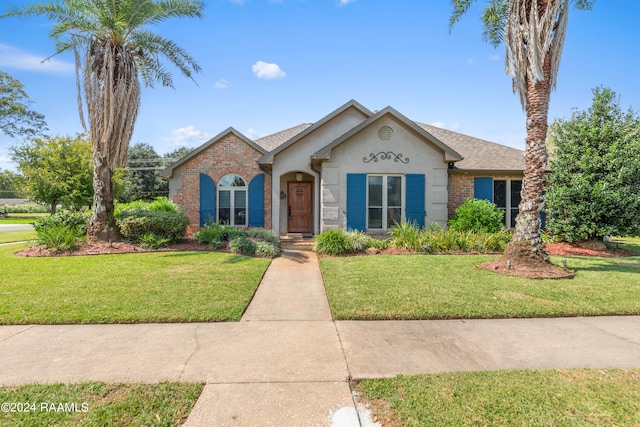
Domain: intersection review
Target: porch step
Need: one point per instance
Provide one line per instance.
(296, 240)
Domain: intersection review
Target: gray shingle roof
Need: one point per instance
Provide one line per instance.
(273, 141)
(479, 154)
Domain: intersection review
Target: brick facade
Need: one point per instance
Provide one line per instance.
(229, 155)
(460, 188)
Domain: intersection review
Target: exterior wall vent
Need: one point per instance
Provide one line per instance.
(385, 133)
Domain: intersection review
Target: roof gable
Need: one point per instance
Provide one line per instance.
(168, 172)
(353, 104)
(450, 155)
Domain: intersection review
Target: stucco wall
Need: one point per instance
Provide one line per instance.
(348, 157)
(296, 158)
(229, 155)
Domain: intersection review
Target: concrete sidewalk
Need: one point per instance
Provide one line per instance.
(288, 363)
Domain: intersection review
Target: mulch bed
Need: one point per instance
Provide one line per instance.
(572, 249)
(102, 248)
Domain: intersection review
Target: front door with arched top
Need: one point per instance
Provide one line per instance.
(299, 207)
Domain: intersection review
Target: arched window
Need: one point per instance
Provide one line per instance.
(232, 196)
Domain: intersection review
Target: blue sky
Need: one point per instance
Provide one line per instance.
(268, 65)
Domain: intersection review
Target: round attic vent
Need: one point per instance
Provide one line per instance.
(385, 133)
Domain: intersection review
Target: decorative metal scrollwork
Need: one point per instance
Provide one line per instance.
(386, 155)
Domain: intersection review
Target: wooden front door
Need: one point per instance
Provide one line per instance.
(300, 202)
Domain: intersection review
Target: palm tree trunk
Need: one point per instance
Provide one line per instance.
(102, 226)
(526, 246)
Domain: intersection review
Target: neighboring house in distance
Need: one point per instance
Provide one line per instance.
(354, 169)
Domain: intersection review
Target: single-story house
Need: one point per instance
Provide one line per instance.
(353, 168)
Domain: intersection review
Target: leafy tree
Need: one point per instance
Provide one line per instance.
(142, 181)
(57, 170)
(11, 185)
(16, 119)
(118, 51)
(595, 172)
(177, 154)
(533, 33)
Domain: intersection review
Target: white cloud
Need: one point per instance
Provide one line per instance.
(345, 2)
(240, 2)
(11, 57)
(470, 61)
(221, 84)
(495, 57)
(187, 136)
(265, 70)
(443, 125)
(252, 133)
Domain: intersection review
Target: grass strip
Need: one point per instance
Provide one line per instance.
(584, 397)
(448, 286)
(185, 286)
(17, 236)
(99, 404)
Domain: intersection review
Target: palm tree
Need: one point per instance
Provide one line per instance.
(533, 32)
(118, 50)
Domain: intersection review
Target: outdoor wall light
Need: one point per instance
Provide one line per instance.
(283, 195)
(298, 176)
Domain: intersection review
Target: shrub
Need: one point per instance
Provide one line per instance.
(477, 215)
(63, 231)
(135, 223)
(332, 242)
(217, 244)
(242, 245)
(164, 204)
(436, 240)
(262, 234)
(29, 207)
(213, 232)
(266, 249)
(405, 235)
(378, 244)
(358, 241)
(152, 241)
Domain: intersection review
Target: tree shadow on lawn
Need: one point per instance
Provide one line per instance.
(617, 265)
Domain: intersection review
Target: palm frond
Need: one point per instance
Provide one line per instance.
(494, 19)
(460, 8)
(154, 45)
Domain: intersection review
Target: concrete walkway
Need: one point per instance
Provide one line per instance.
(287, 363)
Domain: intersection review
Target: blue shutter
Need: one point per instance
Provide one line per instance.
(414, 199)
(207, 199)
(356, 201)
(256, 201)
(483, 188)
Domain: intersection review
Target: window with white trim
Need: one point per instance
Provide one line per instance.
(384, 201)
(232, 197)
(506, 196)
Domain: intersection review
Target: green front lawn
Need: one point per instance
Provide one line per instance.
(448, 286)
(581, 397)
(22, 218)
(99, 404)
(127, 288)
(17, 236)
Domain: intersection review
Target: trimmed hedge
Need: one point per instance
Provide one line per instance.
(154, 224)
